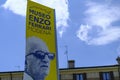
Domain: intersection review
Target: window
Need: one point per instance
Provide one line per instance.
(81, 76)
(106, 76)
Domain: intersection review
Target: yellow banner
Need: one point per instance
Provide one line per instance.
(41, 51)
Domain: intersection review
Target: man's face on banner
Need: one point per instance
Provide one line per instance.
(37, 58)
(40, 62)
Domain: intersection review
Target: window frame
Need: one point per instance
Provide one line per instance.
(106, 75)
(79, 76)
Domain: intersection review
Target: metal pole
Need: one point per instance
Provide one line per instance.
(66, 52)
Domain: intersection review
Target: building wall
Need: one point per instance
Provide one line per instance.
(67, 77)
(93, 75)
(11, 75)
(90, 73)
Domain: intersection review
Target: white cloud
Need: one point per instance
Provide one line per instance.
(17, 6)
(100, 17)
(83, 32)
(106, 37)
(60, 6)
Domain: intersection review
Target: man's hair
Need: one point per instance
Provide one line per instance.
(33, 43)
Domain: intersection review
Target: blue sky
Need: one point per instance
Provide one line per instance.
(90, 29)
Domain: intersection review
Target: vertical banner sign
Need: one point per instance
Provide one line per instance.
(41, 52)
